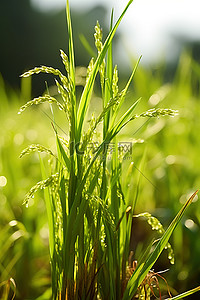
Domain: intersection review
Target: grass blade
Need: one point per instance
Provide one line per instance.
(63, 153)
(71, 46)
(125, 91)
(49, 209)
(136, 278)
(71, 75)
(86, 45)
(185, 294)
(84, 101)
(108, 83)
(123, 120)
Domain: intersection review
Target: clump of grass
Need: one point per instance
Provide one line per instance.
(88, 212)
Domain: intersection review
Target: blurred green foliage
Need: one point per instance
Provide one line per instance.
(24, 255)
(30, 38)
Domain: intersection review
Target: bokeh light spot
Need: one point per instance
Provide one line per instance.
(3, 181)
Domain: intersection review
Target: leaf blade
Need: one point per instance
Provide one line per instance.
(135, 281)
(84, 101)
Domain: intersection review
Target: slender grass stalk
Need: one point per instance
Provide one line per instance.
(185, 294)
(84, 101)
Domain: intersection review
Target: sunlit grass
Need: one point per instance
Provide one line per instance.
(92, 196)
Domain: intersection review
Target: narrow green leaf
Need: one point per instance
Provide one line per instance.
(108, 83)
(136, 278)
(121, 100)
(84, 101)
(185, 294)
(71, 76)
(71, 46)
(124, 118)
(86, 45)
(63, 153)
(49, 209)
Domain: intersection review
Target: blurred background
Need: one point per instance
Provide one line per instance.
(32, 32)
(167, 35)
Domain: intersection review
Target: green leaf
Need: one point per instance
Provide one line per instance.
(71, 46)
(123, 121)
(49, 209)
(86, 45)
(63, 153)
(185, 294)
(84, 101)
(140, 273)
(123, 94)
(71, 74)
(108, 83)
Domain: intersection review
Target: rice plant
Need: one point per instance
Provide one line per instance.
(89, 213)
